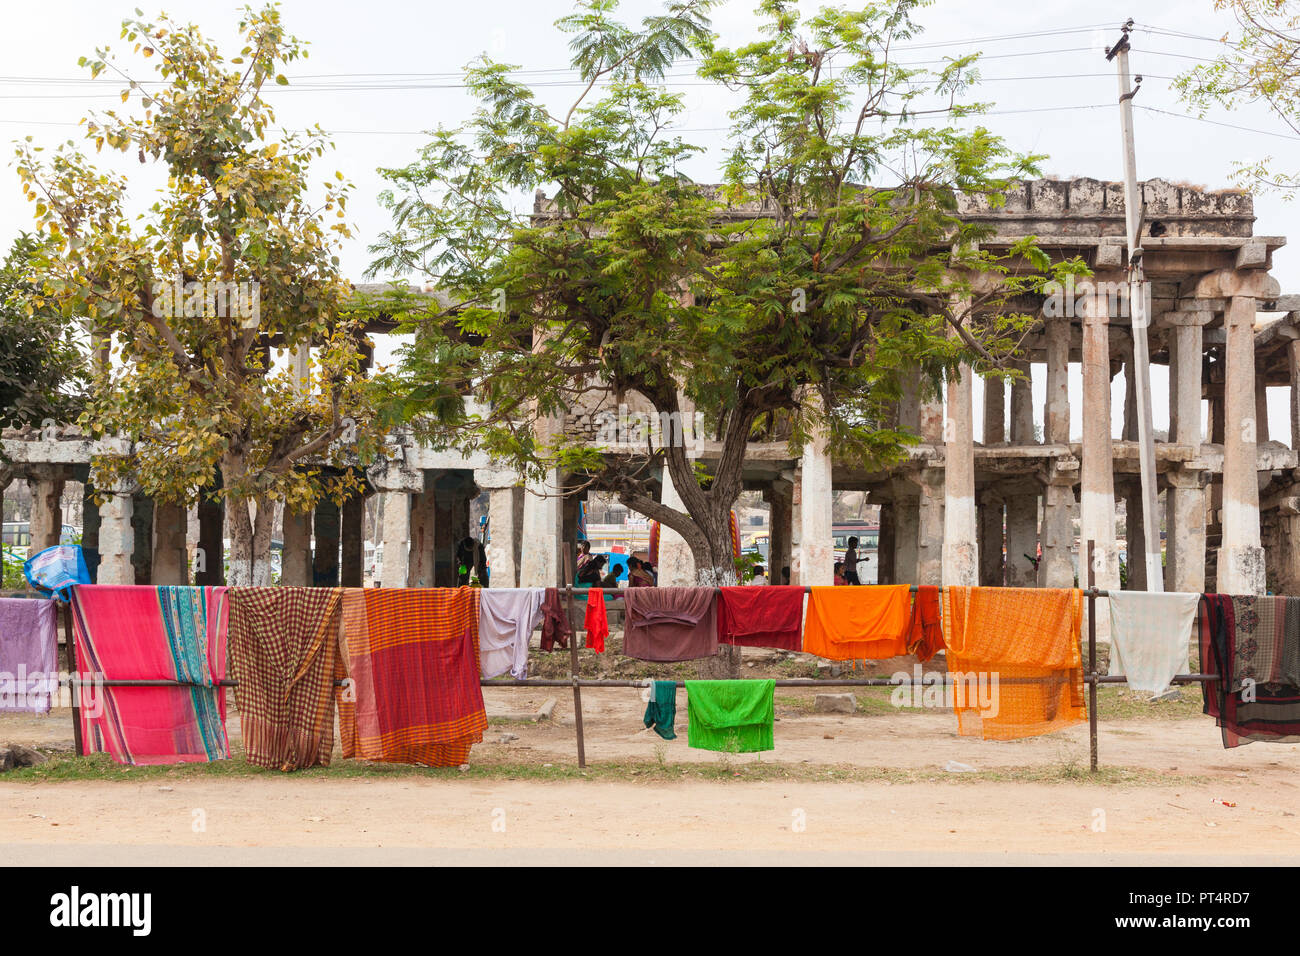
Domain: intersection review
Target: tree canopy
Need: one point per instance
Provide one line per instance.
(828, 261)
(234, 260)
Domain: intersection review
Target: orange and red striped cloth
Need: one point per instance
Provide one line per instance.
(412, 659)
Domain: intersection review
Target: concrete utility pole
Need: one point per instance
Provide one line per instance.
(1140, 314)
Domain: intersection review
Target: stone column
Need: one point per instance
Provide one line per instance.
(142, 527)
(907, 519)
(212, 529)
(817, 547)
(395, 538)
(1056, 570)
(885, 548)
(46, 525)
(170, 560)
(117, 539)
(1241, 557)
(1022, 509)
(1056, 406)
(930, 527)
(995, 425)
(1293, 365)
(539, 563)
(422, 566)
(1185, 543)
(90, 530)
(352, 561)
(502, 536)
(960, 552)
(325, 556)
(779, 549)
(295, 559)
(676, 563)
(991, 516)
(1097, 497)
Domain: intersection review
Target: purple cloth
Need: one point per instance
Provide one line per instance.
(670, 624)
(28, 655)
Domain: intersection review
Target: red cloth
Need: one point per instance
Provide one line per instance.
(762, 616)
(596, 623)
(925, 630)
(555, 622)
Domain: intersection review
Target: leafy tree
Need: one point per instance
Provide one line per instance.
(1261, 65)
(798, 295)
(234, 258)
(43, 372)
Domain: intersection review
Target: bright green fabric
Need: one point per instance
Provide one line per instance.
(733, 716)
(661, 712)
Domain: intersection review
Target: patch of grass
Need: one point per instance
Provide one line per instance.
(64, 767)
(1120, 703)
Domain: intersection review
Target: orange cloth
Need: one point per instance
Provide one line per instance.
(925, 632)
(857, 623)
(996, 635)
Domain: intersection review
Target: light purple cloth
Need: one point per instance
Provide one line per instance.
(506, 618)
(28, 655)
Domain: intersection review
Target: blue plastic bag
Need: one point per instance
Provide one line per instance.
(56, 569)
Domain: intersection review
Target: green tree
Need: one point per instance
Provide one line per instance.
(1261, 65)
(798, 295)
(234, 259)
(43, 369)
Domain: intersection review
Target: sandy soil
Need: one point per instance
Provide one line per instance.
(1223, 806)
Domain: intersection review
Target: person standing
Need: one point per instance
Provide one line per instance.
(851, 562)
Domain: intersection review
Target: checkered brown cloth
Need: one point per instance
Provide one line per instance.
(283, 648)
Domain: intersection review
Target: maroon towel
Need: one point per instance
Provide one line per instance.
(670, 624)
(555, 622)
(761, 616)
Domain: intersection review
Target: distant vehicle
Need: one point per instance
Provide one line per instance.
(17, 537)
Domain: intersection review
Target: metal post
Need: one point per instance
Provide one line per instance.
(573, 661)
(1092, 661)
(1140, 316)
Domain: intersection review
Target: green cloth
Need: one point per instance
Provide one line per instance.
(733, 716)
(661, 712)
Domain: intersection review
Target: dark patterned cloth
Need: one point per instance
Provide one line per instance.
(1249, 642)
(556, 629)
(284, 654)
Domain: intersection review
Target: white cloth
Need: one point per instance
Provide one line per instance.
(1149, 636)
(506, 619)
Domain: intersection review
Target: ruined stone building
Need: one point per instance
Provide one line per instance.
(954, 510)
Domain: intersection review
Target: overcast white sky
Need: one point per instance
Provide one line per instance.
(381, 72)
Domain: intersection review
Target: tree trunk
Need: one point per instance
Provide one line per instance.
(716, 568)
(250, 538)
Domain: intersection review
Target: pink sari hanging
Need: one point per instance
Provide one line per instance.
(152, 633)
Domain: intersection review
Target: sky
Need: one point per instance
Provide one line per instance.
(382, 72)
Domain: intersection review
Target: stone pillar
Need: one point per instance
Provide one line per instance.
(1293, 365)
(117, 539)
(1185, 535)
(816, 558)
(295, 559)
(676, 563)
(46, 524)
(960, 552)
(1097, 495)
(352, 561)
(885, 545)
(395, 537)
(90, 530)
(212, 529)
(1261, 408)
(1022, 406)
(930, 527)
(779, 548)
(907, 520)
(170, 559)
(422, 566)
(1056, 406)
(991, 515)
(1241, 557)
(142, 528)
(325, 556)
(1056, 570)
(1022, 509)
(995, 425)
(539, 563)
(503, 532)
